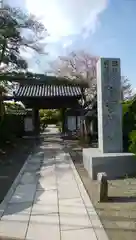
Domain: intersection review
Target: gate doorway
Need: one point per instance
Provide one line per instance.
(38, 95)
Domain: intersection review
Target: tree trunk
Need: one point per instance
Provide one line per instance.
(1, 60)
(2, 109)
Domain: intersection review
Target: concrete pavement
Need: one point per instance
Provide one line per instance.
(48, 199)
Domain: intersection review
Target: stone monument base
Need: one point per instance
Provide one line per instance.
(114, 164)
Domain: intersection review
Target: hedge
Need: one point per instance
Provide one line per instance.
(129, 124)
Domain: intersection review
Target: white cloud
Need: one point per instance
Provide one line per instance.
(68, 43)
(68, 17)
(15, 3)
(67, 22)
(134, 91)
(26, 53)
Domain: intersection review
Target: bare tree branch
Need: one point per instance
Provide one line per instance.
(81, 67)
(127, 90)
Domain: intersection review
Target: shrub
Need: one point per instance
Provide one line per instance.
(11, 127)
(129, 122)
(132, 146)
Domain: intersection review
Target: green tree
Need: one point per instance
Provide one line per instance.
(49, 114)
(18, 31)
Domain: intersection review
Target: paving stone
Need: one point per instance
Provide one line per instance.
(49, 219)
(24, 193)
(41, 231)
(101, 234)
(63, 165)
(46, 197)
(47, 171)
(80, 234)
(47, 183)
(48, 166)
(84, 194)
(13, 229)
(45, 174)
(71, 221)
(30, 167)
(37, 158)
(96, 223)
(92, 212)
(41, 209)
(87, 201)
(73, 206)
(60, 159)
(17, 212)
(29, 178)
(68, 190)
(64, 176)
(48, 160)
(73, 214)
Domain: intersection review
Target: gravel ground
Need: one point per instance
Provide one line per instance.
(118, 215)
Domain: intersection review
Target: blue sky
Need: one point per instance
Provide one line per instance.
(116, 37)
(102, 27)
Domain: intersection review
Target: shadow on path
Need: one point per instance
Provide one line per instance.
(45, 156)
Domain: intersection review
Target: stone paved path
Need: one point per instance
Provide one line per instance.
(48, 199)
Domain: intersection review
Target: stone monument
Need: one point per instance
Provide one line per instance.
(109, 105)
(109, 157)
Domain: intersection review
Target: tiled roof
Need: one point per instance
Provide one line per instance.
(41, 90)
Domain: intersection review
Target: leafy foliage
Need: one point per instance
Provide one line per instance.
(132, 146)
(18, 31)
(49, 114)
(11, 125)
(14, 107)
(129, 121)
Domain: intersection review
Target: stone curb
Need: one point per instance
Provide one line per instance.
(100, 233)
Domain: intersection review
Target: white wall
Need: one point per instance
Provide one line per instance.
(28, 124)
(71, 123)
